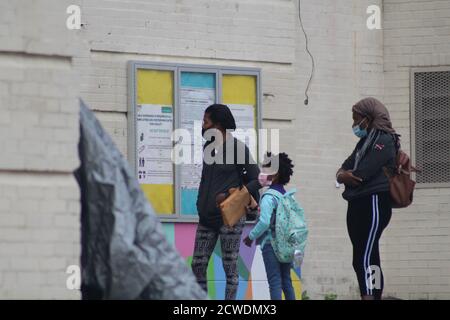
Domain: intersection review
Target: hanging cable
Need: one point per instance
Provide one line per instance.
(313, 66)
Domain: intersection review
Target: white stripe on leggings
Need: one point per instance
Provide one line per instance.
(377, 219)
(376, 229)
(366, 260)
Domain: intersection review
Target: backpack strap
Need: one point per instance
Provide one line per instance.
(240, 171)
(274, 198)
(290, 192)
(273, 217)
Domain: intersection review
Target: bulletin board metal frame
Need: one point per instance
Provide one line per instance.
(177, 69)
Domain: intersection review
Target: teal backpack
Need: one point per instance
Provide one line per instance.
(288, 226)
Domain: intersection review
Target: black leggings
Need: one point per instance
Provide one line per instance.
(366, 219)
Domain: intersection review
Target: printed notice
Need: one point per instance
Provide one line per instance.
(194, 101)
(154, 144)
(244, 116)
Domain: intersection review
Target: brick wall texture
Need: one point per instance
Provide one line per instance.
(44, 68)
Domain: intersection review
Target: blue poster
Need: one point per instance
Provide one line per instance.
(196, 94)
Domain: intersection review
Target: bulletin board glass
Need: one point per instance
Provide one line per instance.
(164, 97)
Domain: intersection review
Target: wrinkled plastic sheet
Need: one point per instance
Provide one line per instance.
(125, 254)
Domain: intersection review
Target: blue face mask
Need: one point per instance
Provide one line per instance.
(360, 133)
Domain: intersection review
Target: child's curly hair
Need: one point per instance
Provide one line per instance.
(284, 168)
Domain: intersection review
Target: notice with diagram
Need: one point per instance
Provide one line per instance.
(154, 144)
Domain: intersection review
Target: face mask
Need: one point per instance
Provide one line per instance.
(211, 138)
(264, 179)
(360, 133)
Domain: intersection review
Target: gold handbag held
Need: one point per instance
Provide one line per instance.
(234, 207)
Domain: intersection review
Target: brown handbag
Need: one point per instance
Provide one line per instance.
(233, 207)
(400, 183)
(236, 205)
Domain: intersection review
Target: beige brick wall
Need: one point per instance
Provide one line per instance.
(41, 76)
(39, 238)
(349, 66)
(39, 198)
(416, 246)
(195, 32)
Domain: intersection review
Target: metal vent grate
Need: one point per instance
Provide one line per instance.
(432, 126)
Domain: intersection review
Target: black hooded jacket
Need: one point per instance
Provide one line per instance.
(219, 177)
(380, 154)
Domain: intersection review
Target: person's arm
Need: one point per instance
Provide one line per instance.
(252, 169)
(346, 165)
(267, 206)
(200, 188)
(376, 158)
(349, 162)
(345, 175)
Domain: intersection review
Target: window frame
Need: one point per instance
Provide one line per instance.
(413, 71)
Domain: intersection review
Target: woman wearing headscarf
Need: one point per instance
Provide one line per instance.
(367, 191)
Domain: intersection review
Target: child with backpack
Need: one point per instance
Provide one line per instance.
(281, 229)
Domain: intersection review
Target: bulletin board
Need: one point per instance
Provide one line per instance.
(166, 96)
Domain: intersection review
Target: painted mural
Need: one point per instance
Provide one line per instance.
(252, 275)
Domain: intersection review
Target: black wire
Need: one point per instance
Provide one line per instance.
(313, 65)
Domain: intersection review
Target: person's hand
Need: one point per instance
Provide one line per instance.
(248, 242)
(253, 205)
(255, 210)
(347, 178)
(220, 198)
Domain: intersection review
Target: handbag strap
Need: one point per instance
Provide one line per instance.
(240, 168)
(241, 172)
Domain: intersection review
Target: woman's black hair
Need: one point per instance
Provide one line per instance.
(221, 114)
(284, 166)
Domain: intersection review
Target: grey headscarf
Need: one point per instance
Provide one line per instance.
(376, 112)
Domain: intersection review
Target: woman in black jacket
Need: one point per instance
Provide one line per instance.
(367, 191)
(220, 173)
